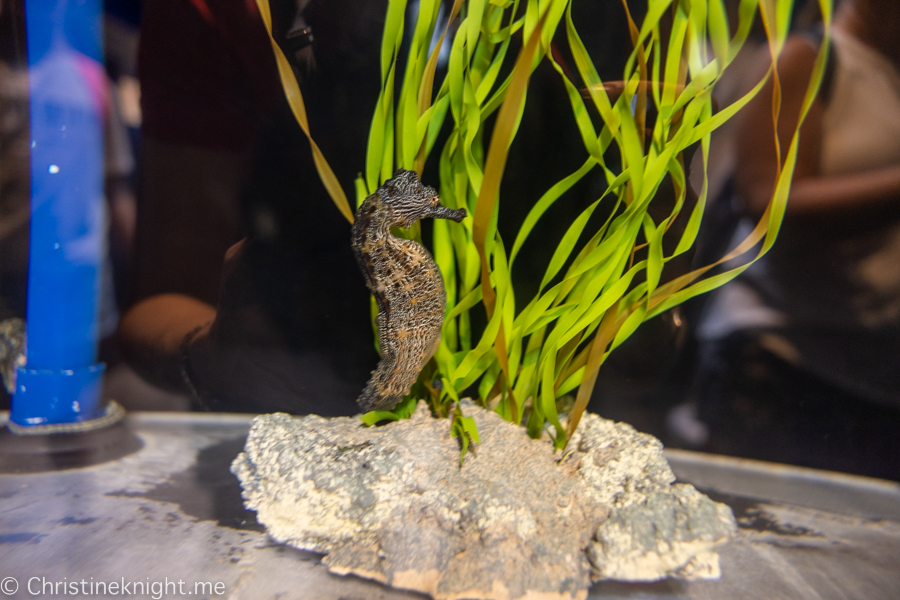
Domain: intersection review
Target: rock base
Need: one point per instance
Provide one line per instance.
(516, 521)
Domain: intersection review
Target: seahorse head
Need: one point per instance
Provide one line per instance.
(410, 201)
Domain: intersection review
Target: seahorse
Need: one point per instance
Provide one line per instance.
(405, 281)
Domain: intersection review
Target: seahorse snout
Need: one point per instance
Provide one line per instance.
(442, 212)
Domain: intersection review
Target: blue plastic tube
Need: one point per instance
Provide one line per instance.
(61, 381)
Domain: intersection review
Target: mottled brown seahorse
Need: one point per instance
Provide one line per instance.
(406, 282)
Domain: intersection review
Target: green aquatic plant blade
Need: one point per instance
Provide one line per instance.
(484, 225)
(298, 108)
(466, 430)
(691, 284)
(379, 152)
(495, 164)
(768, 225)
(601, 282)
(424, 95)
(404, 410)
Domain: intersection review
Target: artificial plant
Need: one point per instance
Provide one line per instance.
(602, 283)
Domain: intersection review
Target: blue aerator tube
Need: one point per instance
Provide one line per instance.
(61, 381)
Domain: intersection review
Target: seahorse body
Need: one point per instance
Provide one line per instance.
(405, 281)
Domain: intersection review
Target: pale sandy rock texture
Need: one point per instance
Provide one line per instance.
(516, 521)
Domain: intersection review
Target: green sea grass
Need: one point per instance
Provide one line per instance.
(601, 283)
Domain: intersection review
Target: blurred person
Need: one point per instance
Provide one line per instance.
(800, 356)
(208, 83)
(283, 323)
